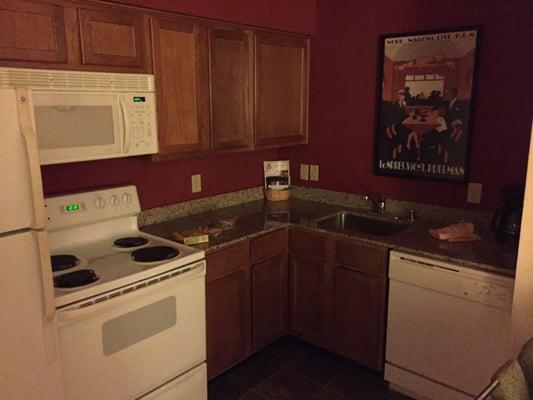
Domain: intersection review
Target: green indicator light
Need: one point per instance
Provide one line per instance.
(139, 99)
(73, 207)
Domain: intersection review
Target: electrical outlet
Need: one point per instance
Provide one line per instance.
(304, 172)
(196, 183)
(474, 193)
(313, 172)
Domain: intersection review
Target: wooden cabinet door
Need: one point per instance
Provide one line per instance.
(269, 300)
(281, 89)
(228, 321)
(114, 38)
(32, 31)
(307, 298)
(356, 317)
(180, 67)
(231, 76)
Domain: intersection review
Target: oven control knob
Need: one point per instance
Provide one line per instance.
(99, 202)
(114, 200)
(126, 198)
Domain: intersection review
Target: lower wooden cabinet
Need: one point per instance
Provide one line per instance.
(332, 293)
(269, 300)
(306, 298)
(228, 317)
(357, 299)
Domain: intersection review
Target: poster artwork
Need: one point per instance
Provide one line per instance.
(425, 105)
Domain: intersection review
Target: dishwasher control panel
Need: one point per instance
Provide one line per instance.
(492, 294)
(443, 277)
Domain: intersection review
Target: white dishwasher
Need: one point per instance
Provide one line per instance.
(448, 328)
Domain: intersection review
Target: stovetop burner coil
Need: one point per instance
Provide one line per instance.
(62, 262)
(75, 279)
(153, 254)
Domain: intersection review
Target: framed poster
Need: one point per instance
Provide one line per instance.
(425, 97)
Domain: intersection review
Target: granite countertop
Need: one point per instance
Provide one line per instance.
(256, 217)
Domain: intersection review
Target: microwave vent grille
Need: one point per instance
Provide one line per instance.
(72, 80)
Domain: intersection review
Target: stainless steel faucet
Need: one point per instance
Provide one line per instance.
(378, 202)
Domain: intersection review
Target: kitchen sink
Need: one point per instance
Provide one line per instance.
(350, 222)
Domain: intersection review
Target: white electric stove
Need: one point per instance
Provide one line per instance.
(130, 306)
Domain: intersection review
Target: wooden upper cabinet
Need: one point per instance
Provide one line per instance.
(231, 76)
(32, 31)
(281, 89)
(181, 71)
(114, 37)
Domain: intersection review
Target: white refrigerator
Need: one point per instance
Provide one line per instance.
(29, 362)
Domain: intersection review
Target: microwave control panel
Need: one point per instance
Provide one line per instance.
(142, 123)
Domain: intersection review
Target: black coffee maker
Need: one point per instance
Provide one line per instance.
(506, 221)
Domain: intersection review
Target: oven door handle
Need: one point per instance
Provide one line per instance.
(116, 301)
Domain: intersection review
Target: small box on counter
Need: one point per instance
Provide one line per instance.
(190, 238)
(277, 180)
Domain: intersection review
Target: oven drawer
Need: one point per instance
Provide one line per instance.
(133, 343)
(191, 385)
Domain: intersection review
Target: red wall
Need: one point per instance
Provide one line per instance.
(161, 183)
(288, 15)
(343, 92)
(342, 103)
(170, 182)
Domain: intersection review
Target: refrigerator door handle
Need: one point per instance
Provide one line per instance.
(27, 130)
(49, 320)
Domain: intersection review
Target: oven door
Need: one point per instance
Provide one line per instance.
(78, 126)
(129, 345)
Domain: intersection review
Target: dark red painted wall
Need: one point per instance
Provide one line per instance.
(342, 104)
(343, 90)
(161, 183)
(170, 182)
(288, 15)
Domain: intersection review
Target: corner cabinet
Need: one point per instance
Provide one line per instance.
(269, 272)
(281, 89)
(307, 268)
(181, 78)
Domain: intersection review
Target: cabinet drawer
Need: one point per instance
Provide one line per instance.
(362, 257)
(306, 243)
(268, 245)
(227, 261)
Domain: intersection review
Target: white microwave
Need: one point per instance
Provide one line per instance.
(80, 116)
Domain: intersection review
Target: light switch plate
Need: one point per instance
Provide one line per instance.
(313, 172)
(196, 183)
(474, 193)
(304, 172)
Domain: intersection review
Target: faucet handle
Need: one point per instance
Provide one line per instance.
(412, 216)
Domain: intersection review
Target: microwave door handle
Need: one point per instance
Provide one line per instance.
(27, 130)
(125, 126)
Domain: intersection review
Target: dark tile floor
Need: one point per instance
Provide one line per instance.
(293, 370)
